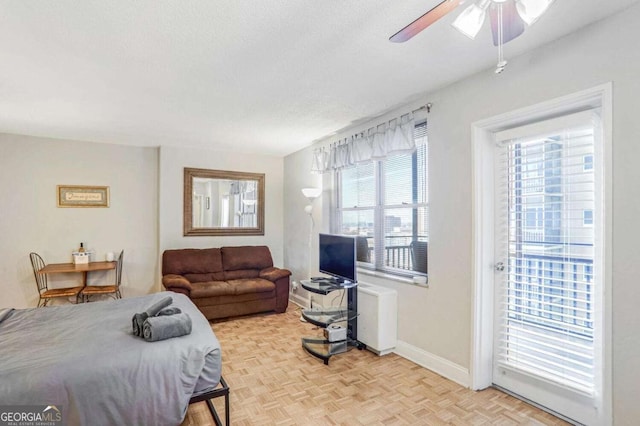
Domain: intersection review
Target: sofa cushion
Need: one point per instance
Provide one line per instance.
(211, 289)
(252, 285)
(246, 257)
(192, 261)
(241, 274)
(231, 288)
(199, 278)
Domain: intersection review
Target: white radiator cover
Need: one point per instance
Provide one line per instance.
(378, 317)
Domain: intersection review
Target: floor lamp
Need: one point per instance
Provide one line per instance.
(311, 194)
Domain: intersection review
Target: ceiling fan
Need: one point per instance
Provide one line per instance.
(508, 19)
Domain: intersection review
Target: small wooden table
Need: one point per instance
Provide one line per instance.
(64, 268)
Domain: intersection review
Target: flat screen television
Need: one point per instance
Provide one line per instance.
(338, 257)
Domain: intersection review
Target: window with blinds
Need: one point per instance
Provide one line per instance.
(547, 299)
(385, 204)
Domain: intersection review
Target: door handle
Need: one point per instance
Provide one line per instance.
(499, 266)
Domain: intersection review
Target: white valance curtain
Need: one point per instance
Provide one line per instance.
(393, 137)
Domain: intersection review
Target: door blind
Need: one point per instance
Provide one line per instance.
(546, 298)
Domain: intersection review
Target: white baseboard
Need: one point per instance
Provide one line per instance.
(303, 302)
(437, 364)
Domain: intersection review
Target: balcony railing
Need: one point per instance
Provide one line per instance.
(552, 290)
(398, 257)
(397, 251)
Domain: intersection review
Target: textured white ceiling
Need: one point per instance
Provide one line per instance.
(266, 76)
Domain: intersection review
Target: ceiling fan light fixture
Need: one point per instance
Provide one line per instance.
(470, 21)
(531, 10)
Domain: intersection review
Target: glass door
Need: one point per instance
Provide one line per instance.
(547, 325)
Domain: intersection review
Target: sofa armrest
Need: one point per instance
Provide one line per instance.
(280, 278)
(177, 283)
(274, 274)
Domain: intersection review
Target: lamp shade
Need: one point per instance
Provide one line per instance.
(471, 19)
(531, 10)
(311, 193)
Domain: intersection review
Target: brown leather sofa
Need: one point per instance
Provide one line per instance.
(227, 281)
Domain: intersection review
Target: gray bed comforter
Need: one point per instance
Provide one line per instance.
(85, 360)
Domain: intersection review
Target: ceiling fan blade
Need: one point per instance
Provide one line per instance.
(512, 24)
(424, 21)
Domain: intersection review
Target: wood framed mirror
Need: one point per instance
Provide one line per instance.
(219, 202)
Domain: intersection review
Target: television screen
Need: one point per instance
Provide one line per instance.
(338, 256)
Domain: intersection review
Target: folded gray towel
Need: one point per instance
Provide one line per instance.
(158, 306)
(139, 318)
(171, 310)
(166, 326)
(137, 321)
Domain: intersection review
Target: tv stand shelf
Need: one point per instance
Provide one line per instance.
(325, 286)
(319, 346)
(324, 349)
(325, 317)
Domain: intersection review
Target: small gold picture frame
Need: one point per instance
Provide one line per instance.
(83, 196)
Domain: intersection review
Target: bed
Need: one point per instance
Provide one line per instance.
(85, 360)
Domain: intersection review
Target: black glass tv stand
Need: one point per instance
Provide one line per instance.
(320, 347)
(330, 281)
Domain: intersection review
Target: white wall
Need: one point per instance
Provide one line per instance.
(144, 217)
(301, 252)
(30, 169)
(172, 163)
(438, 320)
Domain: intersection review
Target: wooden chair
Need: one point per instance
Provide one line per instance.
(45, 293)
(106, 289)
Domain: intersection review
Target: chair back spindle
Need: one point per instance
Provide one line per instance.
(41, 279)
(114, 289)
(45, 294)
(119, 274)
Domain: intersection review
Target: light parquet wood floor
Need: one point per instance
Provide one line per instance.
(273, 381)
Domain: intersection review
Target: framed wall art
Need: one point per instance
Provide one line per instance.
(83, 196)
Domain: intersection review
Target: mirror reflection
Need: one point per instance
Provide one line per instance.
(224, 203)
(221, 202)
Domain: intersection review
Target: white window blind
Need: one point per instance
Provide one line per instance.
(547, 298)
(385, 204)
